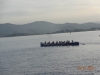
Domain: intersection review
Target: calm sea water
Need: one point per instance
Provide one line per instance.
(23, 55)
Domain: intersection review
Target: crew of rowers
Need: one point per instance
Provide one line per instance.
(60, 42)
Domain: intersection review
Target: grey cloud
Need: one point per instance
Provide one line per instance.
(34, 8)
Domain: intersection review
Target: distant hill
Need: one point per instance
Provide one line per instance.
(42, 27)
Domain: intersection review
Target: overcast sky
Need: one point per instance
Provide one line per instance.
(56, 11)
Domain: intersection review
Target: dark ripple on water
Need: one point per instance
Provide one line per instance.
(91, 43)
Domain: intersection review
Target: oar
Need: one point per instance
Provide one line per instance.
(82, 43)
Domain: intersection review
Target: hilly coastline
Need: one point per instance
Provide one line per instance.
(43, 27)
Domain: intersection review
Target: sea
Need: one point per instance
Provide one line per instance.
(22, 55)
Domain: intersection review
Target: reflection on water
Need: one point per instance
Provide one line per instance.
(24, 56)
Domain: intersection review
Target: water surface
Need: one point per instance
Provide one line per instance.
(23, 55)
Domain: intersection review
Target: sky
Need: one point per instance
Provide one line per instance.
(55, 11)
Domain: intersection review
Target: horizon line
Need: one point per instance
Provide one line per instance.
(48, 22)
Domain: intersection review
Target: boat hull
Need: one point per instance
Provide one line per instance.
(65, 44)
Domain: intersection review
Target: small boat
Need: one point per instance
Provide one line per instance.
(48, 44)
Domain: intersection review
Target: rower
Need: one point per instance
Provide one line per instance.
(53, 42)
(45, 42)
(56, 42)
(72, 41)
